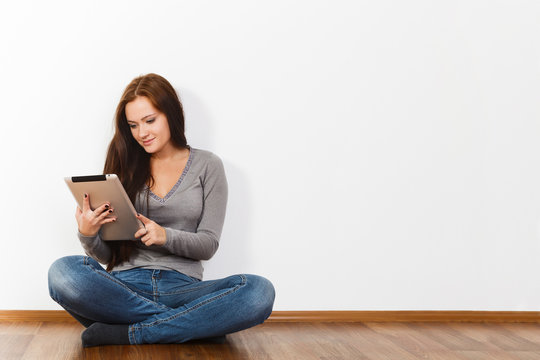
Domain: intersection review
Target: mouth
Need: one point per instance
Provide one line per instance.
(148, 142)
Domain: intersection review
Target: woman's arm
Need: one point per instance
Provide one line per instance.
(202, 244)
(95, 247)
(89, 222)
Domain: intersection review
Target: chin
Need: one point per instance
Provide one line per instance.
(149, 150)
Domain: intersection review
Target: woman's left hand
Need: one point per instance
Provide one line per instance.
(152, 234)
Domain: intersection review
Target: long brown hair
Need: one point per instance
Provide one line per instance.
(126, 158)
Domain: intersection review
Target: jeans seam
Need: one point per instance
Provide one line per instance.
(186, 291)
(131, 335)
(155, 293)
(157, 322)
(118, 282)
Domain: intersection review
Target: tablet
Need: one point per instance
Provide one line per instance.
(102, 189)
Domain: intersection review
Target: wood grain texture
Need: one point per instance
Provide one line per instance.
(330, 316)
(320, 341)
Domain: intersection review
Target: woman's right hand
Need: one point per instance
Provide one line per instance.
(89, 220)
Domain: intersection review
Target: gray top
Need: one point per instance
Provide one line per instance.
(192, 214)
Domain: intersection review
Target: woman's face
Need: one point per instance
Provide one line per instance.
(148, 125)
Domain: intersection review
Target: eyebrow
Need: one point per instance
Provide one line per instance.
(144, 117)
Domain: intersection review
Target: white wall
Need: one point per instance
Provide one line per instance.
(380, 154)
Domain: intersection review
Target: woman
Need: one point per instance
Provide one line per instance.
(152, 290)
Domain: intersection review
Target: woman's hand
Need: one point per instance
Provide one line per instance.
(89, 220)
(152, 233)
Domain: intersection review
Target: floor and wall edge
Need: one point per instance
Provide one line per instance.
(329, 316)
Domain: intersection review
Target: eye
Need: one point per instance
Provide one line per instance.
(132, 126)
(149, 121)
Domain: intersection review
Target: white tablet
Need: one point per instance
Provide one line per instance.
(102, 189)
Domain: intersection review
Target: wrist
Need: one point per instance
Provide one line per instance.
(87, 233)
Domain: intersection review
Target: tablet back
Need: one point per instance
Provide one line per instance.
(107, 188)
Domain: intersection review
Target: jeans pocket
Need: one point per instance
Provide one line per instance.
(138, 280)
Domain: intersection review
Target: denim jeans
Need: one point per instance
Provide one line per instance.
(159, 306)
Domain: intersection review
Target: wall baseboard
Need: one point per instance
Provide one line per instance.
(329, 316)
(405, 316)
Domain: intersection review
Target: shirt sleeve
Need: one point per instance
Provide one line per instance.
(203, 244)
(95, 247)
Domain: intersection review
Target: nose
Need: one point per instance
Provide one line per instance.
(143, 132)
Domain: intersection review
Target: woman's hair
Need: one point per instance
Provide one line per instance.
(126, 157)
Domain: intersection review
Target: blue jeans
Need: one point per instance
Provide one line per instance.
(160, 306)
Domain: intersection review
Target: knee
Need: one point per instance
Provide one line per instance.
(262, 295)
(62, 277)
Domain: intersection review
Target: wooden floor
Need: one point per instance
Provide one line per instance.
(478, 341)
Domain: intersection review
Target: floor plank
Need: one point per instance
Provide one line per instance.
(318, 341)
(19, 327)
(453, 337)
(13, 346)
(55, 341)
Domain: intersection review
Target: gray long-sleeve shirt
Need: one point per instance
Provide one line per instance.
(192, 214)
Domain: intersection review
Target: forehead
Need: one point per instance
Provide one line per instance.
(139, 108)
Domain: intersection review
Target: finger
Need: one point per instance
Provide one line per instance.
(147, 240)
(108, 220)
(140, 232)
(103, 208)
(144, 219)
(86, 202)
(104, 214)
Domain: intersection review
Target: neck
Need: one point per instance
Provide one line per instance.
(170, 152)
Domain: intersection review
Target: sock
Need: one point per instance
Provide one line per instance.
(104, 334)
(215, 339)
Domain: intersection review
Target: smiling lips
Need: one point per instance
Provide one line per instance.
(148, 142)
